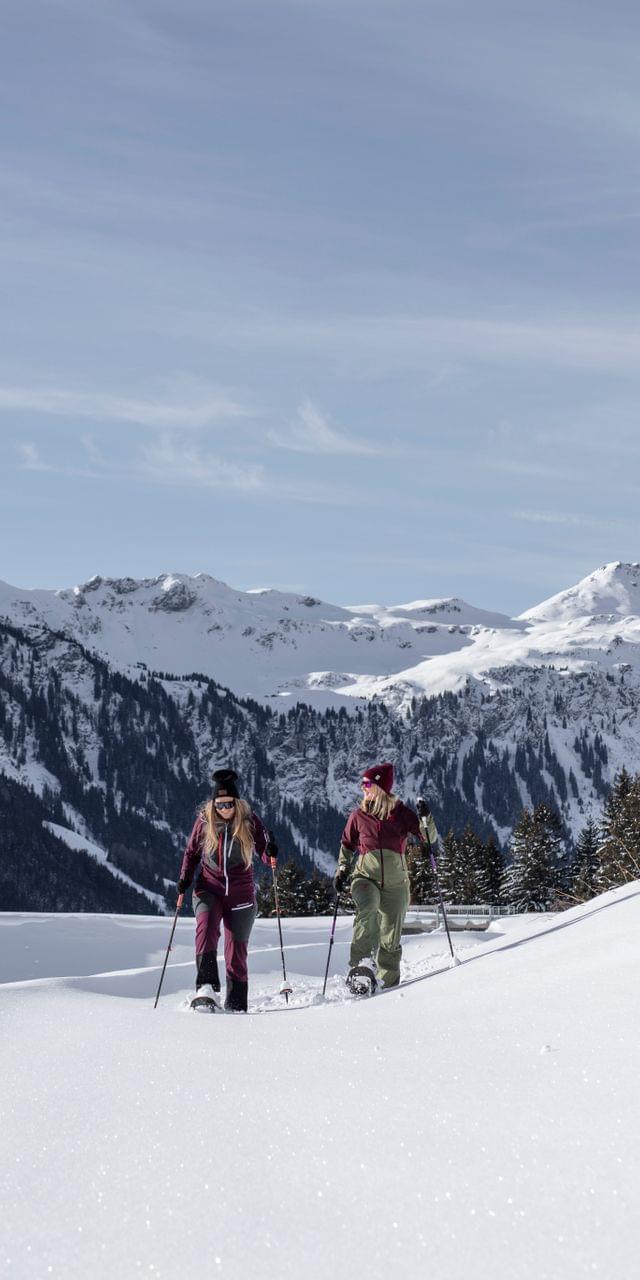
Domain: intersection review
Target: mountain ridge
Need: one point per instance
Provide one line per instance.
(269, 644)
(118, 747)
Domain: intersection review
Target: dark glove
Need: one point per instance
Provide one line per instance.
(182, 886)
(272, 848)
(422, 808)
(340, 880)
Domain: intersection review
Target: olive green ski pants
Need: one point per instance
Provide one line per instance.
(380, 890)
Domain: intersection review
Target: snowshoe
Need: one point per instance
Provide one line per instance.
(361, 980)
(204, 1000)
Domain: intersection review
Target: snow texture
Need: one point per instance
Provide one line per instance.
(477, 1121)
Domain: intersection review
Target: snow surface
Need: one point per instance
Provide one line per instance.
(270, 644)
(479, 1121)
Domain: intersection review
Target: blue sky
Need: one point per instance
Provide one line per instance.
(332, 295)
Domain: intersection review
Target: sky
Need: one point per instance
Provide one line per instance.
(338, 296)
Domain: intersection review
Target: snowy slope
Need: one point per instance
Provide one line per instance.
(268, 643)
(480, 1121)
(515, 712)
(92, 850)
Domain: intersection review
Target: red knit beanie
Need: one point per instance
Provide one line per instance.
(382, 775)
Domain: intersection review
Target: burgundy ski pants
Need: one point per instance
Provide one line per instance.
(236, 910)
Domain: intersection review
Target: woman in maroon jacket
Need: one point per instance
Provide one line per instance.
(374, 839)
(225, 837)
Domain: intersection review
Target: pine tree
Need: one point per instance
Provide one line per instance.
(586, 863)
(459, 869)
(264, 895)
(421, 877)
(619, 856)
(534, 874)
(490, 872)
(292, 895)
(320, 894)
(471, 851)
(448, 863)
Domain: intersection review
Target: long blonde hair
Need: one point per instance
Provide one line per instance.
(241, 829)
(378, 802)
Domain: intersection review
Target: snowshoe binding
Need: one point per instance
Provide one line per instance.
(361, 980)
(204, 1000)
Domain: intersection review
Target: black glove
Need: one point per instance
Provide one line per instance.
(339, 880)
(422, 808)
(272, 848)
(182, 886)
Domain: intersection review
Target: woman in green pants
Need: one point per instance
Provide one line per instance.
(372, 854)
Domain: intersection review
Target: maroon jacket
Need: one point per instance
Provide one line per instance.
(225, 863)
(366, 834)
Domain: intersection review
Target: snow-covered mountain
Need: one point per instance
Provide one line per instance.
(117, 698)
(267, 643)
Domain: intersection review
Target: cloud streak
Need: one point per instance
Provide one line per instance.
(106, 407)
(166, 461)
(32, 460)
(416, 340)
(311, 433)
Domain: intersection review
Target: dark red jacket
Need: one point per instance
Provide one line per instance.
(366, 834)
(224, 863)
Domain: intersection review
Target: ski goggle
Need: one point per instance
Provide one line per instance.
(366, 783)
(224, 804)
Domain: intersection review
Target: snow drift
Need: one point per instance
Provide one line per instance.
(481, 1120)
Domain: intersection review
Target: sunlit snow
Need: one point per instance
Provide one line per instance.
(477, 1121)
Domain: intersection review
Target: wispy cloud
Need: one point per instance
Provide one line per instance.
(165, 460)
(311, 433)
(563, 518)
(32, 460)
(416, 340)
(207, 410)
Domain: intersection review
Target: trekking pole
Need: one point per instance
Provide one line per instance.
(333, 929)
(424, 813)
(285, 989)
(175, 921)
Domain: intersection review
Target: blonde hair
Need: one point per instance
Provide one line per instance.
(241, 829)
(378, 802)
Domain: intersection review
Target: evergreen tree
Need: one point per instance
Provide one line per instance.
(471, 850)
(460, 867)
(320, 895)
(292, 894)
(448, 864)
(421, 878)
(534, 874)
(264, 895)
(490, 872)
(586, 863)
(619, 856)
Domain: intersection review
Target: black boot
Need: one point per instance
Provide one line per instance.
(237, 993)
(207, 970)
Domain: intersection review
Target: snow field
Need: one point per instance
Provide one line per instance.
(481, 1121)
